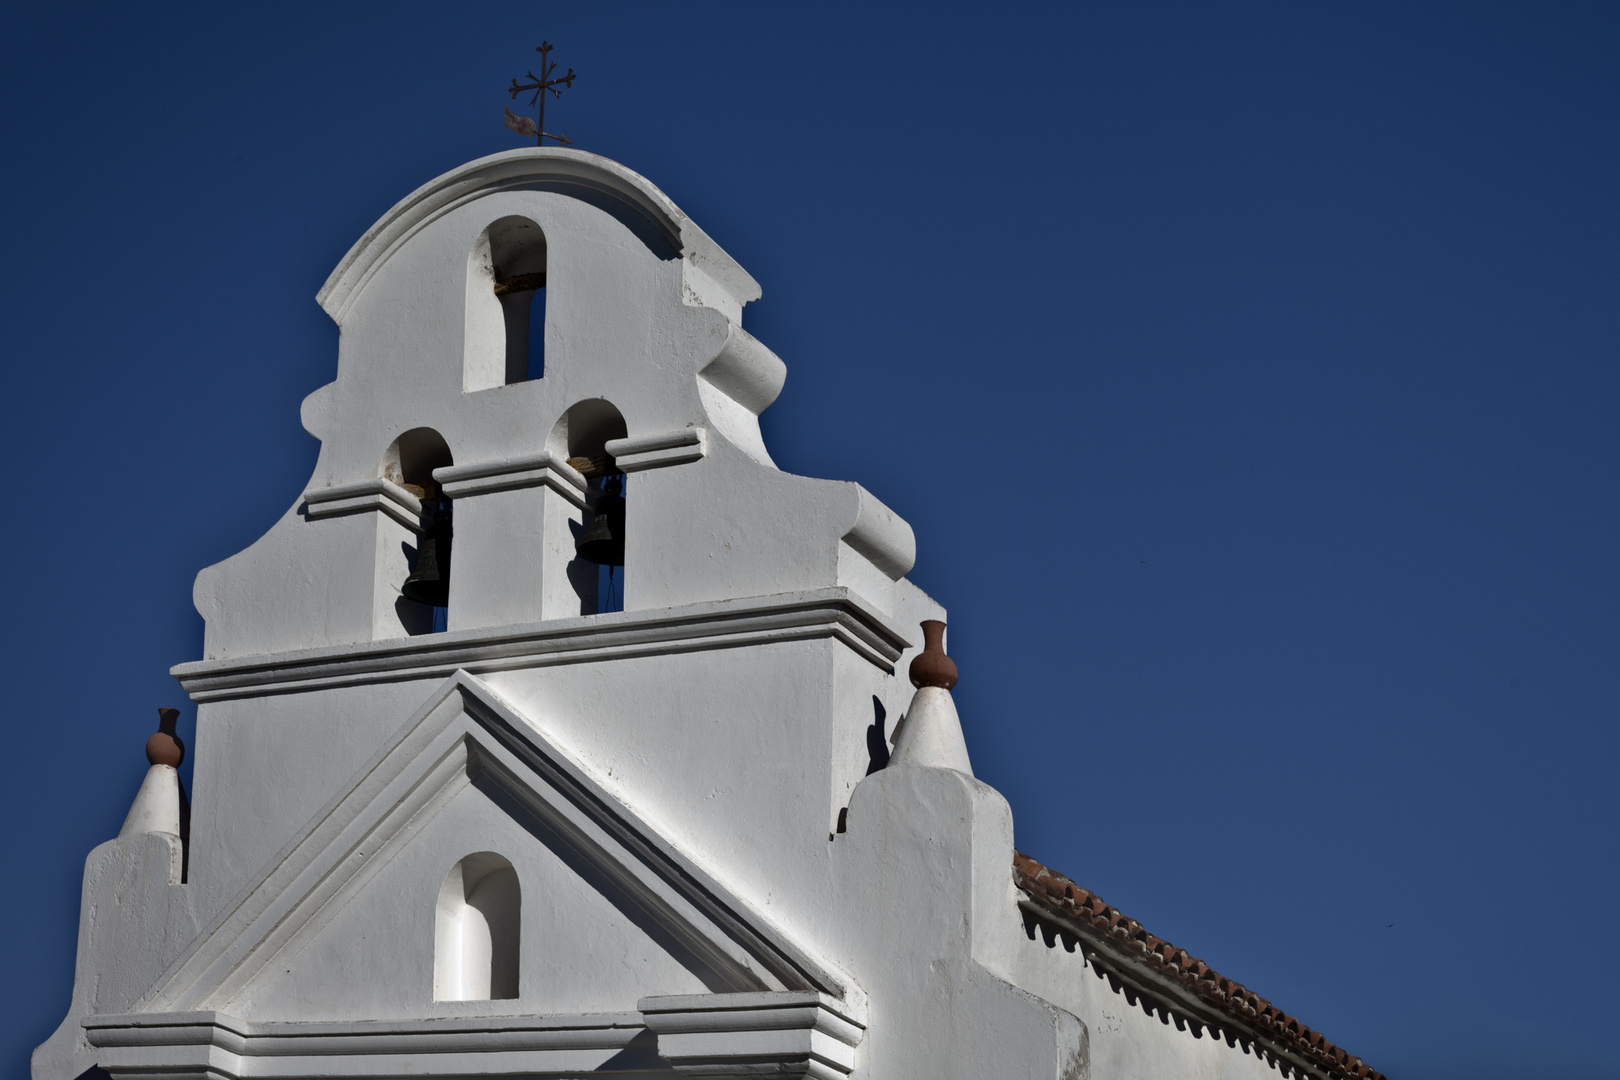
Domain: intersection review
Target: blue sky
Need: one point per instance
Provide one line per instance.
(1246, 371)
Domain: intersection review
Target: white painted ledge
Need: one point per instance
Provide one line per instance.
(537, 470)
(654, 451)
(364, 496)
(211, 1044)
(838, 613)
(777, 1034)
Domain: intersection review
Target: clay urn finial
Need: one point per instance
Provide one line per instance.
(932, 667)
(165, 747)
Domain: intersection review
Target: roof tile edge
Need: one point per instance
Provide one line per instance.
(1116, 932)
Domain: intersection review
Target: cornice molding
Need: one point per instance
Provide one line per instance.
(654, 451)
(509, 474)
(365, 496)
(788, 1034)
(215, 1044)
(837, 613)
(756, 1034)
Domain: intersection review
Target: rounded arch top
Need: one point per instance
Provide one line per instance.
(585, 429)
(516, 170)
(517, 247)
(411, 458)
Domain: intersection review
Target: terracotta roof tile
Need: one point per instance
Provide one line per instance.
(1057, 894)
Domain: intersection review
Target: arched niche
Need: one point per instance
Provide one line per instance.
(506, 305)
(409, 462)
(581, 435)
(476, 931)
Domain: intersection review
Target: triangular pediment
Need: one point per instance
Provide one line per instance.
(470, 771)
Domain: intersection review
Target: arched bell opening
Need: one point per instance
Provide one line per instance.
(597, 571)
(424, 600)
(477, 925)
(506, 305)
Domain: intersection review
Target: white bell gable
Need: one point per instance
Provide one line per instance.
(468, 804)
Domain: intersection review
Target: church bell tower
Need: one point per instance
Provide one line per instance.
(529, 736)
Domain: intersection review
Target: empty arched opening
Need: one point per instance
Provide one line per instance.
(424, 600)
(506, 305)
(597, 572)
(476, 928)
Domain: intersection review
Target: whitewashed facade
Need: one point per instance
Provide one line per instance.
(554, 840)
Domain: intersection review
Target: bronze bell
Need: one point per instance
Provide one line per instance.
(429, 583)
(603, 542)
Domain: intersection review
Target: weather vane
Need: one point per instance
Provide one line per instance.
(541, 84)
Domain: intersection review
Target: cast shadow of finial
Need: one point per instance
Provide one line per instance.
(877, 744)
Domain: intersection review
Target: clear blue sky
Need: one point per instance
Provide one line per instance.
(1248, 373)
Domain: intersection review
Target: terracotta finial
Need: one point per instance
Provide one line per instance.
(932, 667)
(165, 747)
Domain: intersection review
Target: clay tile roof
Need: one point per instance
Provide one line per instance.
(1075, 906)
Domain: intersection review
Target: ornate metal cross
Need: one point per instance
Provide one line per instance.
(541, 84)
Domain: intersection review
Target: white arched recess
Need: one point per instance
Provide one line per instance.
(475, 946)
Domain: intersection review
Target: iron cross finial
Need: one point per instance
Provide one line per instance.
(541, 84)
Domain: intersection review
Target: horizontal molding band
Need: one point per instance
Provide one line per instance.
(363, 496)
(654, 451)
(536, 470)
(792, 1034)
(753, 1003)
(836, 613)
(214, 1044)
(791, 1010)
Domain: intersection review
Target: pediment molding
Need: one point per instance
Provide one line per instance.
(466, 732)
